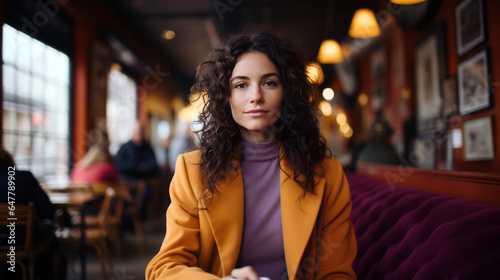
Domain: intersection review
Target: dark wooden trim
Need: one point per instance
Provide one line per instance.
(480, 187)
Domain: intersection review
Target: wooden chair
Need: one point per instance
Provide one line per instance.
(129, 203)
(26, 218)
(133, 209)
(116, 213)
(95, 236)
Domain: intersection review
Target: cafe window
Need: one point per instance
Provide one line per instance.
(36, 91)
(121, 107)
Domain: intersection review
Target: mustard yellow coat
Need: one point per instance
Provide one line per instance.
(318, 235)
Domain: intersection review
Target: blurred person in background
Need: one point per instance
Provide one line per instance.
(136, 161)
(27, 189)
(97, 165)
(379, 148)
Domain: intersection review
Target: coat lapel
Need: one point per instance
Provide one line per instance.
(225, 215)
(298, 217)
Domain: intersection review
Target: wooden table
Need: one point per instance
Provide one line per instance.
(77, 200)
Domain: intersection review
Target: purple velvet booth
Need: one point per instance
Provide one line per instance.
(406, 233)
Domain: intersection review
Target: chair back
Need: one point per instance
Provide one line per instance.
(22, 216)
(100, 188)
(116, 206)
(138, 193)
(105, 215)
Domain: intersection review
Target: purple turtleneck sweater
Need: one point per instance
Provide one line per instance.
(262, 242)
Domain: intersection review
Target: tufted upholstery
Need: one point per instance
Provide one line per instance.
(406, 233)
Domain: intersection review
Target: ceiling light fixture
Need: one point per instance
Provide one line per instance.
(364, 24)
(330, 52)
(407, 2)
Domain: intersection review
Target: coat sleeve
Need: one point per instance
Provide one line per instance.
(336, 244)
(178, 255)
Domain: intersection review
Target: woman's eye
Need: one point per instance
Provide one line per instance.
(270, 83)
(240, 85)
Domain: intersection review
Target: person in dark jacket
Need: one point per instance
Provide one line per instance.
(136, 160)
(379, 149)
(24, 189)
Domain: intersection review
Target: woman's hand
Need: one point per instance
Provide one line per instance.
(246, 273)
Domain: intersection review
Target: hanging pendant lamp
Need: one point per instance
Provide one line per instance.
(364, 24)
(330, 52)
(407, 2)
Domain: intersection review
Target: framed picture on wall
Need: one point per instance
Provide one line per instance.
(474, 83)
(450, 96)
(478, 139)
(424, 152)
(470, 25)
(430, 70)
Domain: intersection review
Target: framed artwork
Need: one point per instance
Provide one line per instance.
(470, 25)
(450, 96)
(424, 152)
(478, 139)
(430, 64)
(474, 84)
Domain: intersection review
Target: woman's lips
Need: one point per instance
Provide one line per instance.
(256, 113)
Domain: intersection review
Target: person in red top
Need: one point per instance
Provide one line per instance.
(97, 165)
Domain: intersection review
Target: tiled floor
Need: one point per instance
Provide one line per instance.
(131, 264)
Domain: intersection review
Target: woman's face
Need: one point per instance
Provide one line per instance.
(256, 96)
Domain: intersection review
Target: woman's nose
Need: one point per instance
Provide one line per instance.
(256, 95)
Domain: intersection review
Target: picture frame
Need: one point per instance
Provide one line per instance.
(430, 70)
(474, 83)
(470, 25)
(450, 96)
(478, 139)
(424, 152)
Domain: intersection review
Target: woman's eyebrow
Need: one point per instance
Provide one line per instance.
(240, 77)
(269, 75)
(261, 77)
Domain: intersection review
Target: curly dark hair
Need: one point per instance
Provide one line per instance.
(297, 129)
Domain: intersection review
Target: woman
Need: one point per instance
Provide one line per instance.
(261, 197)
(97, 165)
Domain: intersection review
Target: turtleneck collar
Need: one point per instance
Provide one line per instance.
(260, 151)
